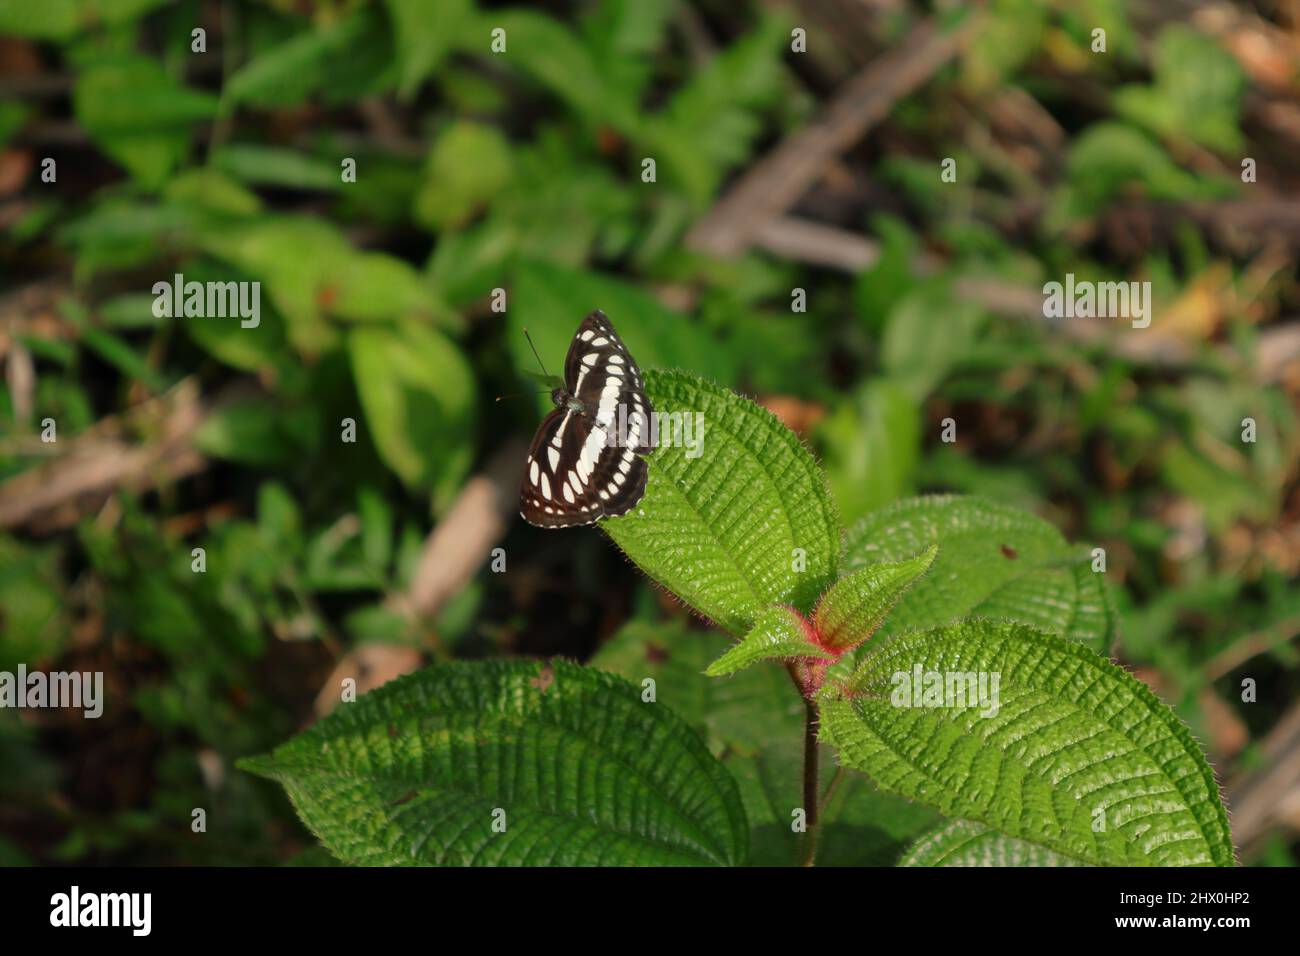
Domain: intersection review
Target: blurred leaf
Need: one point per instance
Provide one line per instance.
(1108, 161)
(275, 166)
(468, 165)
(311, 272)
(64, 19)
(139, 115)
(376, 528)
(871, 443)
(1197, 92)
(33, 620)
(419, 397)
(552, 55)
(121, 356)
(209, 191)
(623, 36)
(926, 335)
(550, 302)
(289, 72)
(423, 36)
(1009, 34)
(710, 123)
(132, 311)
(13, 116)
(260, 432)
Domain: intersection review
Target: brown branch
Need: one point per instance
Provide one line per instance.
(1276, 347)
(58, 492)
(1269, 796)
(460, 543)
(777, 181)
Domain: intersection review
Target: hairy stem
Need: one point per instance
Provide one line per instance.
(810, 788)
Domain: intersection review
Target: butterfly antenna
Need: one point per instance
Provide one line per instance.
(540, 391)
(535, 355)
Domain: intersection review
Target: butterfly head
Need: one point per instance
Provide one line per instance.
(563, 399)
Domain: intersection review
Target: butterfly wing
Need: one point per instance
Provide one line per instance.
(584, 465)
(601, 373)
(552, 496)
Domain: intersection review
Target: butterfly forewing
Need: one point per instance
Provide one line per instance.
(601, 372)
(584, 464)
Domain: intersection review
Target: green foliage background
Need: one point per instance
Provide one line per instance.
(522, 170)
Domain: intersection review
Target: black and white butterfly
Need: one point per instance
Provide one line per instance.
(585, 461)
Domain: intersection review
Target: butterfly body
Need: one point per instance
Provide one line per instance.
(585, 462)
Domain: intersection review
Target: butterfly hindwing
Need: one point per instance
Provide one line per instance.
(584, 463)
(553, 495)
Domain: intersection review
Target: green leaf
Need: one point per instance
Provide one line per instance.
(781, 633)
(741, 522)
(744, 713)
(861, 825)
(139, 115)
(965, 843)
(277, 166)
(585, 772)
(417, 390)
(550, 53)
(1197, 92)
(468, 165)
(993, 561)
(121, 356)
(35, 605)
(1111, 160)
(710, 123)
(288, 73)
(753, 721)
(857, 604)
(259, 431)
(64, 19)
(871, 446)
(1065, 751)
(423, 38)
(312, 272)
(550, 301)
(917, 359)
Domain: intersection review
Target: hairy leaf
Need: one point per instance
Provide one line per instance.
(781, 633)
(965, 843)
(739, 522)
(856, 604)
(1066, 750)
(993, 561)
(753, 720)
(569, 763)
(745, 712)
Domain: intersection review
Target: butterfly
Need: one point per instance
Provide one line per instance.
(585, 461)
